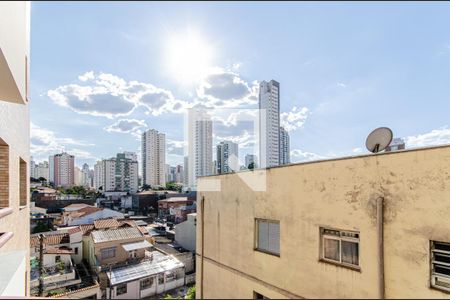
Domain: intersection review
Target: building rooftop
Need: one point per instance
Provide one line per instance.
(106, 223)
(50, 238)
(174, 199)
(100, 236)
(76, 206)
(159, 263)
(58, 250)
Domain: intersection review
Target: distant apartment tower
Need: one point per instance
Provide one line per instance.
(396, 144)
(227, 157)
(62, 169)
(78, 176)
(285, 157)
(32, 168)
(269, 123)
(86, 178)
(154, 158)
(179, 173)
(199, 146)
(250, 158)
(116, 174)
(41, 170)
(14, 150)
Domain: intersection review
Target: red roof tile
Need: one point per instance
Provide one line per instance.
(106, 223)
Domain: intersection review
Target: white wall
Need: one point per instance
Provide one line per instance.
(185, 233)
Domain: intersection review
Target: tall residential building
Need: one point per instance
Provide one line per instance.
(227, 157)
(364, 227)
(154, 158)
(62, 169)
(119, 173)
(86, 179)
(285, 156)
(269, 123)
(14, 149)
(78, 177)
(179, 174)
(396, 144)
(42, 170)
(186, 172)
(199, 146)
(250, 158)
(126, 175)
(32, 168)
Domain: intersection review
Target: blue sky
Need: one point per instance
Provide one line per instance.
(103, 72)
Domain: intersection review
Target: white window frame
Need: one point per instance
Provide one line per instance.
(109, 249)
(436, 277)
(120, 286)
(339, 238)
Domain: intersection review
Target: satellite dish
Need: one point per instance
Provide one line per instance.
(379, 139)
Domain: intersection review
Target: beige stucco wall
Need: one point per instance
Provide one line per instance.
(15, 126)
(339, 194)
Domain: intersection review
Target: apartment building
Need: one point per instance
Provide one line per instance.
(14, 148)
(154, 158)
(269, 123)
(227, 157)
(119, 173)
(62, 169)
(285, 147)
(370, 226)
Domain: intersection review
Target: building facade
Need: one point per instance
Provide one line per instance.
(250, 159)
(117, 174)
(14, 149)
(285, 148)
(62, 169)
(269, 123)
(370, 226)
(199, 146)
(227, 157)
(154, 158)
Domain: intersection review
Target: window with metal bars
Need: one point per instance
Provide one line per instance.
(339, 246)
(440, 265)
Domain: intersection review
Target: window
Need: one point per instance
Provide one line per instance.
(108, 252)
(170, 276)
(57, 258)
(259, 296)
(268, 236)
(440, 265)
(23, 182)
(121, 289)
(147, 283)
(4, 174)
(160, 278)
(76, 250)
(340, 247)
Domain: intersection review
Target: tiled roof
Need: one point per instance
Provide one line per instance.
(142, 230)
(89, 210)
(131, 223)
(74, 230)
(50, 239)
(58, 250)
(100, 236)
(106, 223)
(86, 228)
(76, 206)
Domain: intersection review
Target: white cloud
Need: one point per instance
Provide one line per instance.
(298, 155)
(357, 150)
(223, 88)
(341, 84)
(175, 147)
(435, 137)
(44, 142)
(103, 94)
(132, 126)
(244, 140)
(294, 119)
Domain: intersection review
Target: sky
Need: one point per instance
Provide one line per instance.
(102, 72)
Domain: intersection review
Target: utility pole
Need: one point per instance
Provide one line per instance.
(110, 286)
(41, 265)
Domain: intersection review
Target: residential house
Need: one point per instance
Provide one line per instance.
(166, 207)
(87, 215)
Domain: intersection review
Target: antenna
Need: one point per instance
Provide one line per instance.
(379, 139)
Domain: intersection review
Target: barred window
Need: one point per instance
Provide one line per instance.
(440, 265)
(108, 252)
(121, 289)
(147, 283)
(340, 246)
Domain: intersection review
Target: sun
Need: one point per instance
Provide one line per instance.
(188, 57)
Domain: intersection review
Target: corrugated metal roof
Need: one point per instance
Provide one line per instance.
(100, 236)
(160, 263)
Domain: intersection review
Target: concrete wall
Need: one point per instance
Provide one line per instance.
(185, 233)
(15, 132)
(342, 194)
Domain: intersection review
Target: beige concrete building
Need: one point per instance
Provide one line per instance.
(14, 148)
(370, 226)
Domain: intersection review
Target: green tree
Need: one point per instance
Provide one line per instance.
(146, 187)
(190, 293)
(41, 227)
(251, 166)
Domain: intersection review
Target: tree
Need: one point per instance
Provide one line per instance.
(190, 293)
(251, 166)
(41, 227)
(42, 179)
(146, 187)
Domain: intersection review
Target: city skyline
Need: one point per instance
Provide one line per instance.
(336, 85)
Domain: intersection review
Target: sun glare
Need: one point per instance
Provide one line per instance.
(188, 57)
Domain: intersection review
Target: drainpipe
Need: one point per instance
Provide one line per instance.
(202, 210)
(380, 222)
